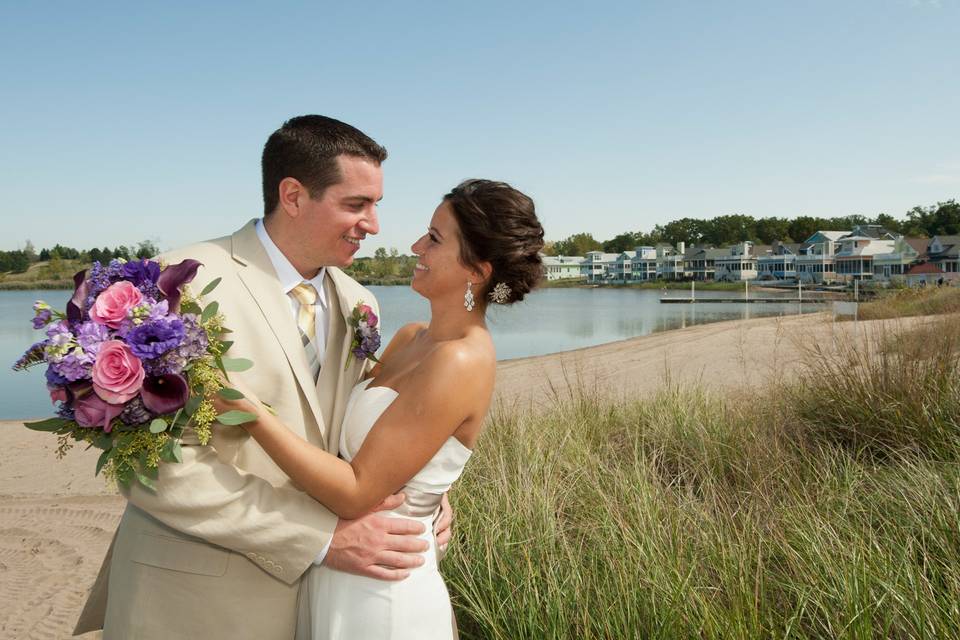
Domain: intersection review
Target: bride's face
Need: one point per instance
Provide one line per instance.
(439, 272)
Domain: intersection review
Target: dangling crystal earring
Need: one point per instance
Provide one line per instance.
(468, 297)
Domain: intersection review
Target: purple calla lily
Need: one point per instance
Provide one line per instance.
(75, 306)
(174, 277)
(165, 394)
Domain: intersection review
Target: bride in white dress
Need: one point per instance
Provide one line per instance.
(412, 425)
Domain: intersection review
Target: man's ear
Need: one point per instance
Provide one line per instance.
(290, 192)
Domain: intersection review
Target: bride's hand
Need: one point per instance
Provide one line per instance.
(248, 403)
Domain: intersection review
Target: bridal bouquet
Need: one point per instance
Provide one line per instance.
(133, 362)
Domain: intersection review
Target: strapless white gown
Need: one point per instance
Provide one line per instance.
(337, 605)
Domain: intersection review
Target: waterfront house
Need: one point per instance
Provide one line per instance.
(944, 251)
(700, 262)
(923, 274)
(854, 260)
(562, 267)
(622, 268)
(670, 263)
(815, 261)
(644, 264)
(739, 262)
(780, 263)
(598, 267)
(906, 252)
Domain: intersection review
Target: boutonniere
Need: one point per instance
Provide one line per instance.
(366, 335)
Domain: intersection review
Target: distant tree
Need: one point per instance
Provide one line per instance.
(548, 248)
(19, 261)
(688, 230)
(770, 230)
(944, 219)
(577, 245)
(626, 241)
(888, 222)
(729, 229)
(30, 251)
(44, 254)
(146, 249)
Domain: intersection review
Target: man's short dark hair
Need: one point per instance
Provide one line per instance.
(306, 148)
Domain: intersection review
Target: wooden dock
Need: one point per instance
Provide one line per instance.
(689, 300)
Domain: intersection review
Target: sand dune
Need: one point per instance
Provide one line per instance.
(56, 519)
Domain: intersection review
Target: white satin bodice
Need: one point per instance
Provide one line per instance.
(364, 408)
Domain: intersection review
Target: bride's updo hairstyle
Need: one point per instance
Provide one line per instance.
(499, 225)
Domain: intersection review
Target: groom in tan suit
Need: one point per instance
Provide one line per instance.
(219, 549)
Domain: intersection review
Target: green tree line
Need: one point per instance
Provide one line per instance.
(941, 219)
(19, 260)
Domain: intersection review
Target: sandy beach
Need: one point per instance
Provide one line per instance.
(57, 519)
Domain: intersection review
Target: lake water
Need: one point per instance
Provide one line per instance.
(548, 321)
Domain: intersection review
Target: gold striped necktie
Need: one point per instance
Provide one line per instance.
(306, 295)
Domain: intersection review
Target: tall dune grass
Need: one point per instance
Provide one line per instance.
(825, 509)
(912, 302)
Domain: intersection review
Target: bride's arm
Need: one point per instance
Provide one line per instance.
(437, 399)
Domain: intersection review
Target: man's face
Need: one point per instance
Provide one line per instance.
(333, 226)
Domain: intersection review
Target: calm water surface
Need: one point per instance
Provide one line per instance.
(547, 321)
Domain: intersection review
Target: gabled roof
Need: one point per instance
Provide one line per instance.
(872, 248)
(829, 235)
(919, 245)
(923, 267)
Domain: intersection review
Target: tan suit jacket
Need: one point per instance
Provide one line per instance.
(219, 549)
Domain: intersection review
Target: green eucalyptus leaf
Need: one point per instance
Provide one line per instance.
(192, 404)
(177, 451)
(190, 307)
(166, 452)
(237, 364)
(102, 460)
(225, 345)
(50, 424)
(230, 394)
(159, 425)
(210, 287)
(232, 418)
(209, 311)
(146, 481)
(103, 441)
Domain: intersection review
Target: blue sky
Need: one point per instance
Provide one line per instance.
(122, 123)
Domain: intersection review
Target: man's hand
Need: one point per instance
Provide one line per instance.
(443, 525)
(377, 546)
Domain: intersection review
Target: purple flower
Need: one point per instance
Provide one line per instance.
(90, 335)
(54, 378)
(141, 271)
(165, 394)
(371, 343)
(75, 365)
(134, 413)
(59, 333)
(153, 339)
(194, 345)
(32, 356)
(173, 278)
(42, 319)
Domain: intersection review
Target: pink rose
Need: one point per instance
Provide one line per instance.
(371, 316)
(117, 373)
(112, 305)
(57, 394)
(91, 411)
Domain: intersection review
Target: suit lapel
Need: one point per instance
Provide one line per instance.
(340, 370)
(258, 276)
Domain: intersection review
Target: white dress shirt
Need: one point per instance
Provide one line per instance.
(289, 277)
